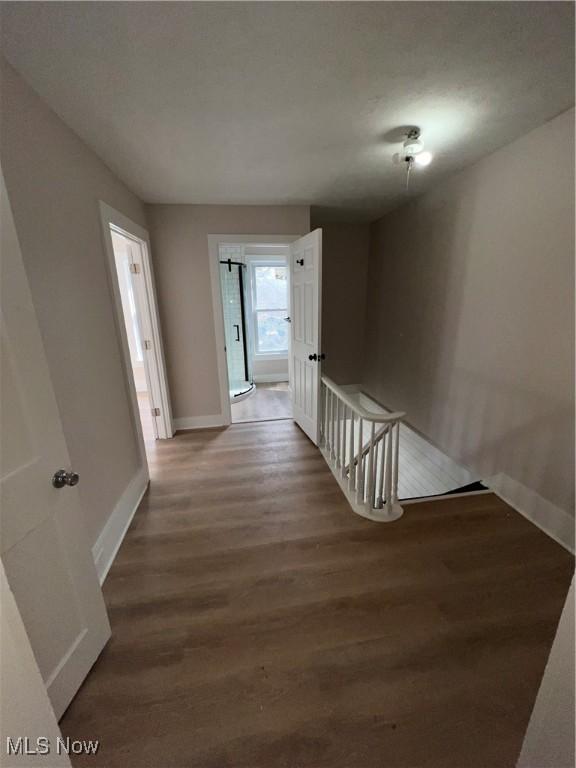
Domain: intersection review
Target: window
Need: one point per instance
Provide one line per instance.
(270, 305)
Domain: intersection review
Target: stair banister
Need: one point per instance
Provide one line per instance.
(361, 447)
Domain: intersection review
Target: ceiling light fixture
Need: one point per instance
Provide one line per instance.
(413, 145)
(413, 153)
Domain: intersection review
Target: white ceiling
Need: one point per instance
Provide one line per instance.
(282, 102)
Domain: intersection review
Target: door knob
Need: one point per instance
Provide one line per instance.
(300, 261)
(62, 478)
(313, 357)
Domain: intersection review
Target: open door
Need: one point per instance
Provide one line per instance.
(43, 543)
(306, 308)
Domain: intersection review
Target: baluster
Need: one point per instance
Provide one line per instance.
(351, 466)
(333, 422)
(344, 426)
(396, 458)
(338, 409)
(370, 494)
(330, 425)
(374, 499)
(389, 448)
(326, 398)
(321, 413)
(382, 469)
(359, 465)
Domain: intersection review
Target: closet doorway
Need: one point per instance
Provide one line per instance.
(128, 249)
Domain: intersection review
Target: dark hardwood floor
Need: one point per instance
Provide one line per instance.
(258, 623)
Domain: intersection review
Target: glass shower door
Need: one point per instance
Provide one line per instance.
(233, 303)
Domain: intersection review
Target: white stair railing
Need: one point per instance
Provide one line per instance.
(361, 448)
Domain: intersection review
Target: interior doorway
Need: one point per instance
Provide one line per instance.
(122, 246)
(128, 249)
(266, 298)
(254, 284)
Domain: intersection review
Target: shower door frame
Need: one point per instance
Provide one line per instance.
(245, 352)
(214, 243)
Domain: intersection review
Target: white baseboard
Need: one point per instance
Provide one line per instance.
(198, 422)
(269, 378)
(557, 523)
(112, 535)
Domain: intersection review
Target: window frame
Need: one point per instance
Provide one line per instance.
(253, 263)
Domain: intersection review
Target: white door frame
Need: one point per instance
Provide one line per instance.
(112, 219)
(214, 242)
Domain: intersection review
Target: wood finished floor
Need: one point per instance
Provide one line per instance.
(269, 401)
(258, 623)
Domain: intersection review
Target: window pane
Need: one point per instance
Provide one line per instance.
(271, 287)
(272, 331)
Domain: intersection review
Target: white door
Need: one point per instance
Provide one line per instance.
(43, 542)
(24, 704)
(305, 308)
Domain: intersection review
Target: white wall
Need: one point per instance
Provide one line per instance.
(271, 369)
(470, 313)
(55, 182)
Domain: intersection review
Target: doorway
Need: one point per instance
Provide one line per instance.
(122, 247)
(128, 249)
(267, 319)
(254, 285)
(251, 299)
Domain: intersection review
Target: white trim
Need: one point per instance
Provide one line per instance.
(555, 522)
(199, 422)
(110, 218)
(444, 496)
(112, 535)
(214, 242)
(270, 378)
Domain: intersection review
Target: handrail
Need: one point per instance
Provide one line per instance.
(361, 447)
(364, 413)
(382, 432)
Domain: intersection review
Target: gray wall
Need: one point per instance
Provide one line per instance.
(470, 313)
(345, 253)
(182, 270)
(54, 184)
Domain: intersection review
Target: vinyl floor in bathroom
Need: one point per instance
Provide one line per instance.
(268, 402)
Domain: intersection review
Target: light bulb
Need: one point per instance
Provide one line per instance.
(423, 159)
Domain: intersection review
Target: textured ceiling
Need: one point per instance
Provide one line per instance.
(281, 102)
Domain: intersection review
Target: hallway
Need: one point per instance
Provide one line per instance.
(258, 623)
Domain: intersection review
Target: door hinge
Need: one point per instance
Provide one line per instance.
(155, 411)
(147, 344)
(135, 269)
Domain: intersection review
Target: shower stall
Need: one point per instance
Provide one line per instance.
(238, 358)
